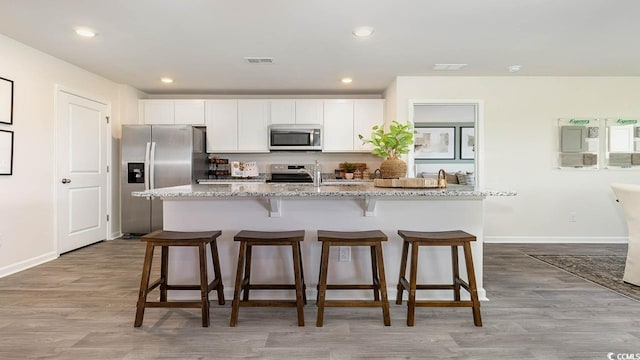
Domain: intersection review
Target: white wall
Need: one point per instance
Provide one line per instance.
(520, 145)
(27, 234)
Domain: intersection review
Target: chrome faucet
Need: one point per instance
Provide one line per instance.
(316, 175)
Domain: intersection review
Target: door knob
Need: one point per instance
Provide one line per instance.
(66, 181)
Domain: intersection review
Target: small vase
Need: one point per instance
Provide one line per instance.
(393, 169)
(348, 176)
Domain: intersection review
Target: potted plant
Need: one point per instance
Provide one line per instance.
(389, 146)
(349, 168)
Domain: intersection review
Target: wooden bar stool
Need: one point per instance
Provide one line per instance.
(249, 239)
(440, 238)
(174, 238)
(374, 240)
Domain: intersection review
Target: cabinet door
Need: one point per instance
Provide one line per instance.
(189, 112)
(283, 111)
(222, 125)
(309, 112)
(366, 114)
(338, 125)
(253, 124)
(157, 111)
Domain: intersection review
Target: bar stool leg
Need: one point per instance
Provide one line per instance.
(383, 285)
(247, 275)
(204, 284)
(144, 285)
(322, 284)
(298, 280)
(319, 274)
(164, 273)
(215, 258)
(304, 286)
(403, 270)
(455, 269)
(374, 274)
(235, 307)
(411, 305)
(471, 276)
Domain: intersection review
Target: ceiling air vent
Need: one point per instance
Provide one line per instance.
(444, 67)
(259, 60)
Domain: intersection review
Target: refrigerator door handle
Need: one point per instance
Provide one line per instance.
(152, 165)
(146, 166)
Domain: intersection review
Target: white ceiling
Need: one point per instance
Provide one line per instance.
(202, 43)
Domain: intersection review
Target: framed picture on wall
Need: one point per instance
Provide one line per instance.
(6, 101)
(6, 152)
(434, 143)
(467, 143)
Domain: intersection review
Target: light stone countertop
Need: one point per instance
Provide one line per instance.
(256, 189)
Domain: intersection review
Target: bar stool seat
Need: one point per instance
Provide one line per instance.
(248, 239)
(165, 239)
(373, 239)
(454, 238)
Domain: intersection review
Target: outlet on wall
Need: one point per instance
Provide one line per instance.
(572, 217)
(345, 253)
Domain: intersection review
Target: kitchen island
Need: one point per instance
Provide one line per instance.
(276, 207)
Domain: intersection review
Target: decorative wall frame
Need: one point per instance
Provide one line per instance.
(6, 152)
(467, 143)
(434, 143)
(6, 101)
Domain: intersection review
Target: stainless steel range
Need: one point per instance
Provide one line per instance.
(291, 173)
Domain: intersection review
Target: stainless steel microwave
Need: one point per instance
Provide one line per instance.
(295, 137)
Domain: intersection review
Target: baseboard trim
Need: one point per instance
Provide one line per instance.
(115, 235)
(26, 264)
(556, 239)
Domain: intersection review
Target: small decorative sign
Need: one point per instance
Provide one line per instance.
(6, 101)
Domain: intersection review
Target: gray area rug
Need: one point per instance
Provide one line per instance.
(605, 270)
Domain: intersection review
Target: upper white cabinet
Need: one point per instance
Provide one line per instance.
(253, 125)
(283, 111)
(338, 125)
(189, 112)
(309, 112)
(172, 112)
(157, 111)
(345, 119)
(366, 114)
(222, 125)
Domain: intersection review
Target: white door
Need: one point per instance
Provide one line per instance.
(82, 135)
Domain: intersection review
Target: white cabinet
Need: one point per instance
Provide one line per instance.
(283, 111)
(253, 125)
(190, 112)
(157, 111)
(309, 112)
(222, 125)
(345, 119)
(366, 114)
(338, 126)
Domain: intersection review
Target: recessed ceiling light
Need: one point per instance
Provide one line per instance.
(347, 80)
(166, 80)
(85, 32)
(514, 68)
(363, 31)
(444, 67)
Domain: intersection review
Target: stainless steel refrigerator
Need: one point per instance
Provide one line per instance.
(155, 156)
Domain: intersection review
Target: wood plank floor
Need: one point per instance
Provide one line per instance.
(82, 305)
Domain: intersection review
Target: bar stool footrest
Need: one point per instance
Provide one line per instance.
(178, 304)
(351, 287)
(444, 303)
(352, 303)
(268, 303)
